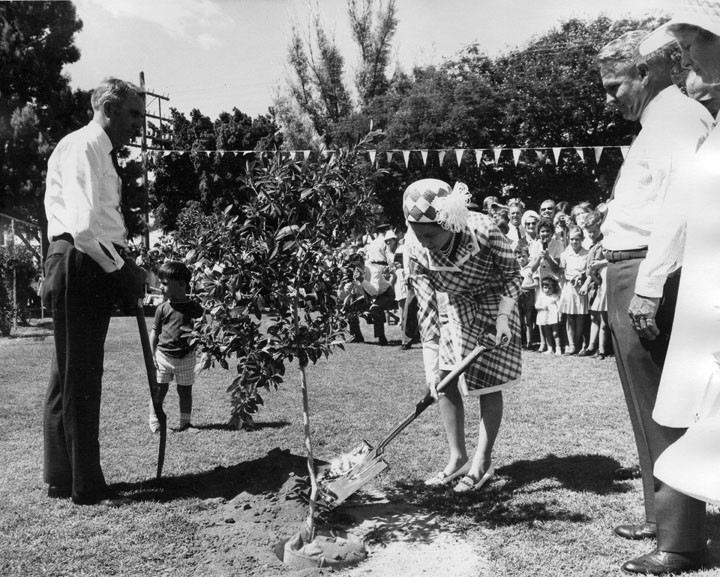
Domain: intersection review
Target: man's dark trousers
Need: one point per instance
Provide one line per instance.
(80, 295)
(640, 362)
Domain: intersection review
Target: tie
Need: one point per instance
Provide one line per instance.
(113, 156)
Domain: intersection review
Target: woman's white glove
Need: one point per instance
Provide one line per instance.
(502, 323)
(431, 360)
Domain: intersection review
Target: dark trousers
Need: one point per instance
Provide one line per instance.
(379, 304)
(80, 295)
(410, 328)
(680, 519)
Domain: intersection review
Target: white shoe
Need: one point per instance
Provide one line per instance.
(467, 483)
(442, 479)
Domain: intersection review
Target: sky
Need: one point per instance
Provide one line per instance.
(216, 55)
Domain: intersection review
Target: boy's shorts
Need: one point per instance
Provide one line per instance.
(181, 369)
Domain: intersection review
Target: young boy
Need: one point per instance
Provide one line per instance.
(174, 357)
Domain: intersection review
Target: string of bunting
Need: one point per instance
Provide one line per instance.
(493, 155)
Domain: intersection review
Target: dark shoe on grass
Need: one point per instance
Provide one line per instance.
(663, 562)
(382, 341)
(637, 532)
(627, 473)
(104, 499)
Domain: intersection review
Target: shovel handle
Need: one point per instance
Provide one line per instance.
(428, 400)
(152, 382)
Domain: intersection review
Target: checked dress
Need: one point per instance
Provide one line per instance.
(480, 271)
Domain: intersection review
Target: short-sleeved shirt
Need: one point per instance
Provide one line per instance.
(172, 321)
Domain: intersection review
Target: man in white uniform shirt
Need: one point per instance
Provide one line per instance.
(86, 272)
(672, 128)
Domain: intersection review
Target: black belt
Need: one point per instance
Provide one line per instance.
(379, 262)
(66, 236)
(618, 255)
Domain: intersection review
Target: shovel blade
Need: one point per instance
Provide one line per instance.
(350, 472)
(338, 490)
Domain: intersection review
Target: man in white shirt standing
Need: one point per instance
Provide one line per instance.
(86, 272)
(673, 127)
(516, 230)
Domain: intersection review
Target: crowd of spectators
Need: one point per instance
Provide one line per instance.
(563, 306)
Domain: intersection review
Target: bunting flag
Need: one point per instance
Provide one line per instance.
(540, 152)
(556, 153)
(598, 154)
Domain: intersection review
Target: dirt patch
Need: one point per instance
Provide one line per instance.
(242, 532)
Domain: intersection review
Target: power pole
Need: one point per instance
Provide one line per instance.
(144, 150)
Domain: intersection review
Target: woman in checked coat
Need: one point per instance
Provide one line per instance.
(462, 257)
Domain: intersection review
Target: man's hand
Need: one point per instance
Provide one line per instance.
(642, 311)
(131, 284)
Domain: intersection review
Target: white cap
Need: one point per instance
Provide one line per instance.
(702, 13)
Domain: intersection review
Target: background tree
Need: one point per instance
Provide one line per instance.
(196, 178)
(546, 94)
(36, 41)
(317, 90)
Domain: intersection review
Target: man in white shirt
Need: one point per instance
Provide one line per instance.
(516, 231)
(86, 272)
(673, 127)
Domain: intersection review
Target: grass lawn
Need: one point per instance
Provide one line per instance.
(549, 512)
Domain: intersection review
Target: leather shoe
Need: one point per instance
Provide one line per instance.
(106, 499)
(56, 492)
(627, 473)
(637, 532)
(663, 562)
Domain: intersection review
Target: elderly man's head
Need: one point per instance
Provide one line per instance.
(515, 213)
(630, 80)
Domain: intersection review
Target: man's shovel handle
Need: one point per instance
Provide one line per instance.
(152, 382)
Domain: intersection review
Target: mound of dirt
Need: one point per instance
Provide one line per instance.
(245, 534)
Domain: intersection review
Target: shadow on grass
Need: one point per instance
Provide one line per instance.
(509, 498)
(265, 475)
(258, 426)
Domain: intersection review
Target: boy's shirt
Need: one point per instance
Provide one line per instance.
(170, 319)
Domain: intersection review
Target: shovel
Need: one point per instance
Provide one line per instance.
(351, 471)
(152, 381)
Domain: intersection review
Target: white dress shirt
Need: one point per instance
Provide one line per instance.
(673, 127)
(516, 234)
(82, 196)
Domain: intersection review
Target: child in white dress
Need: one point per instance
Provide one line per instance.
(548, 314)
(574, 304)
